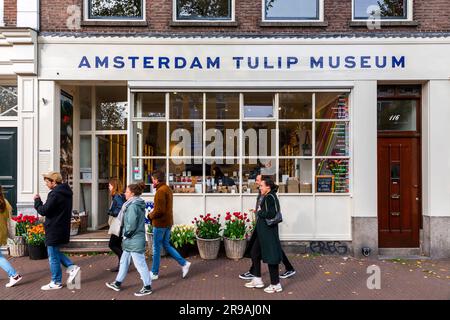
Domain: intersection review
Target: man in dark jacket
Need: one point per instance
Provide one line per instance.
(57, 211)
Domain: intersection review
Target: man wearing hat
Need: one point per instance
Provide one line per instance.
(57, 211)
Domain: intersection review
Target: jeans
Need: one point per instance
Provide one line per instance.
(161, 236)
(256, 262)
(139, 263)
(5, 265)
(56, 258)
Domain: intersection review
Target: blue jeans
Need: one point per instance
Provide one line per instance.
(56, 258)
(5, 265)
(139, 263)
(161, 236)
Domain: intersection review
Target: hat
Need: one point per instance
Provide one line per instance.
(54, 176)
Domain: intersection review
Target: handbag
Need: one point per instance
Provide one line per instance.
(278, 216)
(306, 146)
(114, 227)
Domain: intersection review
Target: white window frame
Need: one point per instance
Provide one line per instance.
(175, 18)
(320, 19)
(409, 13)
(86, 13)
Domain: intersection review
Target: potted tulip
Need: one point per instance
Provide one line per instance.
(36, 242)
(207, 231)
(235, 234)
(18, 245)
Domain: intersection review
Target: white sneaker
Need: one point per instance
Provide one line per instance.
(73, 271)
(185, 268)
(255, 283)
(154, 276)
(13, 281)
(51, 286)
(273, 288)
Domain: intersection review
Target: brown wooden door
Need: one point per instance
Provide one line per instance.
(399, 192)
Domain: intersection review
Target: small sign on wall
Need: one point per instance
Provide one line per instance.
(325, 184)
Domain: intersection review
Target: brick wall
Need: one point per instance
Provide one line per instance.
(10, 13)
(432, 15)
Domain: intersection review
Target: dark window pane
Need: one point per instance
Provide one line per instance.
(222, 106)
(152, 105)
(397, 115)
(258, 105)
(332, 105)
(222, 139)
(111, 108)
(186, 105)
(115, 9)
(295, 105)
(387, 9)
(204, 9)
(295, 138)
(150, 139)
(292, 9)
(395, 171)
(259, 139)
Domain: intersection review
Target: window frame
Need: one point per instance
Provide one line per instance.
(231, 20)
(320, 14)
(86, 10)
(409, 14)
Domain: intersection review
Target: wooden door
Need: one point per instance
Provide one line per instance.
(8, 164)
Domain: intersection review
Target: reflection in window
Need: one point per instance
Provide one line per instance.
(185, 175)
(339, 169)
(142, 170)
(85, 108)
(222, 106)
(292, 9)
(8, 101)
(332, 138)
(115, 9)
(258, 105)
(295, 138)
(151, 105)
(397, 115)
(295, 105)
(186, 105)
(150, 139)
(204, 10)
(385, 9)
(222, 175)
(295, 176)
(111, 108)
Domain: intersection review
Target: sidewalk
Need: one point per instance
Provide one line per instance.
(318, 277)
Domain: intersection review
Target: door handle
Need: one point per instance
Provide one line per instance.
(395, 196)
(417, 199)
(395, 213)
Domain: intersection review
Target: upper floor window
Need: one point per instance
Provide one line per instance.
(115, 9)
(382, 9)
(292, 10)
(204, 10)
(8, 101)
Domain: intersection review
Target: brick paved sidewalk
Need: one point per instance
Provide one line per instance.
(318, 277)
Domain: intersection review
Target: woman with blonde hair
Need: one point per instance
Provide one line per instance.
(118, 199)
(5, 216)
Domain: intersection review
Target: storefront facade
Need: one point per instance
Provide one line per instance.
(316, 113)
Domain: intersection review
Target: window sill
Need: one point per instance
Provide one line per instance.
(114, 23)
(385, 23)
(293, 24)
(204, 24)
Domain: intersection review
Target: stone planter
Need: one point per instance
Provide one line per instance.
(18, 248)
(150, 245)
(37, 252)
(208, 248)
(235, 249)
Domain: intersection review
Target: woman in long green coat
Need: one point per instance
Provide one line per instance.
(266, 245)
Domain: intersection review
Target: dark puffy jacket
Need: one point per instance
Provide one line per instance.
(57, 211)
(116, 204)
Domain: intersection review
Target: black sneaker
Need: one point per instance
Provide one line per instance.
(145, 291)
(246, 276)
(287, 274)
(113, 285)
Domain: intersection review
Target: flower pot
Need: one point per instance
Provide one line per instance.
(235, 249)
(208, 248)
(19, 248)
(37, 252)
(150, 245)
(187, 250)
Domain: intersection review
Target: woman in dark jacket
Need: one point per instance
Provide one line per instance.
(118, 199)
(266, 245)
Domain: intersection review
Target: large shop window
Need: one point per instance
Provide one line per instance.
(8, 101)
(218, 142)
(292, 10)
(115, 9)
(382, 9)
(204, 10)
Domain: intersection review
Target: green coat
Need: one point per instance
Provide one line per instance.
(268, 237)
(134, 227)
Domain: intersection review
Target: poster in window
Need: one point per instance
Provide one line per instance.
(66, 137)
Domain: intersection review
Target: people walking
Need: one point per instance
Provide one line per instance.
(266, 245)
(118, 199)
(162, 220)
(57, 211)
(290, 271)
(5, 216)
(132, 216)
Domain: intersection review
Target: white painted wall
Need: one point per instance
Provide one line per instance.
(28, 14)
(364, 134)
(2, 13)
(438, 177)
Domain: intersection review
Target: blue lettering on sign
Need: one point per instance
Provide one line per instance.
(350, 62)
(84, 63)
(101, 63)
(316, 63)
(398, 62)
(118, 62)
